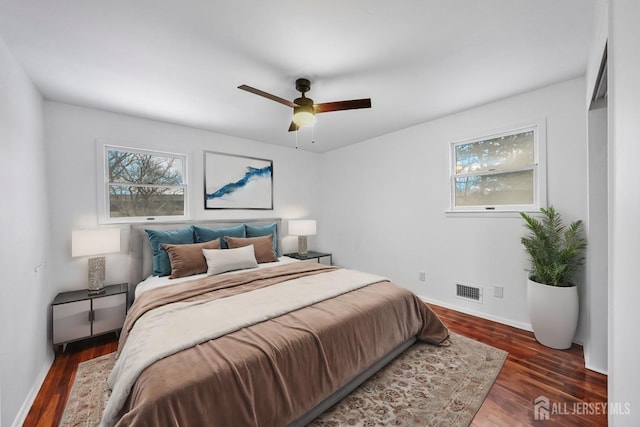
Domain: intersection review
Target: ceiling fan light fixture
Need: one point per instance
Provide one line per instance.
(304, 115)
(304, 110)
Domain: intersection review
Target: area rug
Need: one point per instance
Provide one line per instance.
(424, 386)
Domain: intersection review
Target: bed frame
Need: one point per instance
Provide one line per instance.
(140, 267)
(339, 394)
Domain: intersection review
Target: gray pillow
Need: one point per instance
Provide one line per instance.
(223, 260)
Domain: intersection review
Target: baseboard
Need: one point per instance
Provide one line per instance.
(594, 369)
(31, 396)
(504, 321)
(591, 367)
(508, 322)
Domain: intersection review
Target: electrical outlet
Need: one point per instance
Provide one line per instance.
(498, 291)
(422, 276)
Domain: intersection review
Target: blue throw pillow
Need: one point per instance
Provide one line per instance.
(265, 230)
(203, 234)
(161, 263)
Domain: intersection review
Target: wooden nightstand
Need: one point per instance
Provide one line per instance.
(311, 255)
(78, 315)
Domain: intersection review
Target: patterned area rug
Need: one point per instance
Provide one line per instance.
(424, 386)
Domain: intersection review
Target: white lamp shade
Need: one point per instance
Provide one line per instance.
(95, 242)
(302, 227)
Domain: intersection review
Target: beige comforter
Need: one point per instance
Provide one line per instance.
(271, 373)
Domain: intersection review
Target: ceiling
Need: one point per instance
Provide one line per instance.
(181, 61)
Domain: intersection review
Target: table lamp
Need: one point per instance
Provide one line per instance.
(95, 242)
(302, 228)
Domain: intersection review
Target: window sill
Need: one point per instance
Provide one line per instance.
(139, 220)
(486, 213)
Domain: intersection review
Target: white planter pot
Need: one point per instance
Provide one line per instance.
(553, 312)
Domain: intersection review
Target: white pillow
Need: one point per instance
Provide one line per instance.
(223, 260)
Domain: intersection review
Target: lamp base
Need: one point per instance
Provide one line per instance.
(96, 275)
(302, 246)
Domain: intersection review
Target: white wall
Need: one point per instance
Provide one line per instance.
(600, 36)
(597, 223)
(72, 179)
(25, 294)
(624, 265)
(384, 203)
(596, 342)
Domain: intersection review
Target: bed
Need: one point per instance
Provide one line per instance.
(274, 345)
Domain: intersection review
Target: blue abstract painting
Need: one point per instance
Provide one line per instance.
(237, 182)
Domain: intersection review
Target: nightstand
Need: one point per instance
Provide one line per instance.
(311, 255)
(78, 315)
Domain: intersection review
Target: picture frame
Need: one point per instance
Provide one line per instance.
(237, 182)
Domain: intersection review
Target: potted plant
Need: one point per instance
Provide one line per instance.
(556, 252)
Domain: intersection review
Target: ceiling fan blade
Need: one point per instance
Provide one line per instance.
(267, 95)
(352, 104)
(293, 127)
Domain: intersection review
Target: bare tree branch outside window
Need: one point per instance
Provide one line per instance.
(145, 184)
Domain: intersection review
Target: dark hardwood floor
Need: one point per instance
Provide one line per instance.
(49, 404)
(531, 370)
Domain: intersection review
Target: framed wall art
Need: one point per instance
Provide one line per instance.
(237, 182)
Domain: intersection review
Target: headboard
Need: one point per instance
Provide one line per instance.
(140, 256)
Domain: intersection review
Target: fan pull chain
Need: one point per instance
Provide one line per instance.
(296, 139)
(313, 139)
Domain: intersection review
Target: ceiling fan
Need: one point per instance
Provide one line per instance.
(304, 110)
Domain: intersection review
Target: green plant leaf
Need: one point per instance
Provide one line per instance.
(555, 250)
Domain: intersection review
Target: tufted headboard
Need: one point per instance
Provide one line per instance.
(140, 256)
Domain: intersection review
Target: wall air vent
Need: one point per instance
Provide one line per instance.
(471, 293)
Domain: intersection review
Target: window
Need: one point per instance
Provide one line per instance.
(499, 172)
(141, 185)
